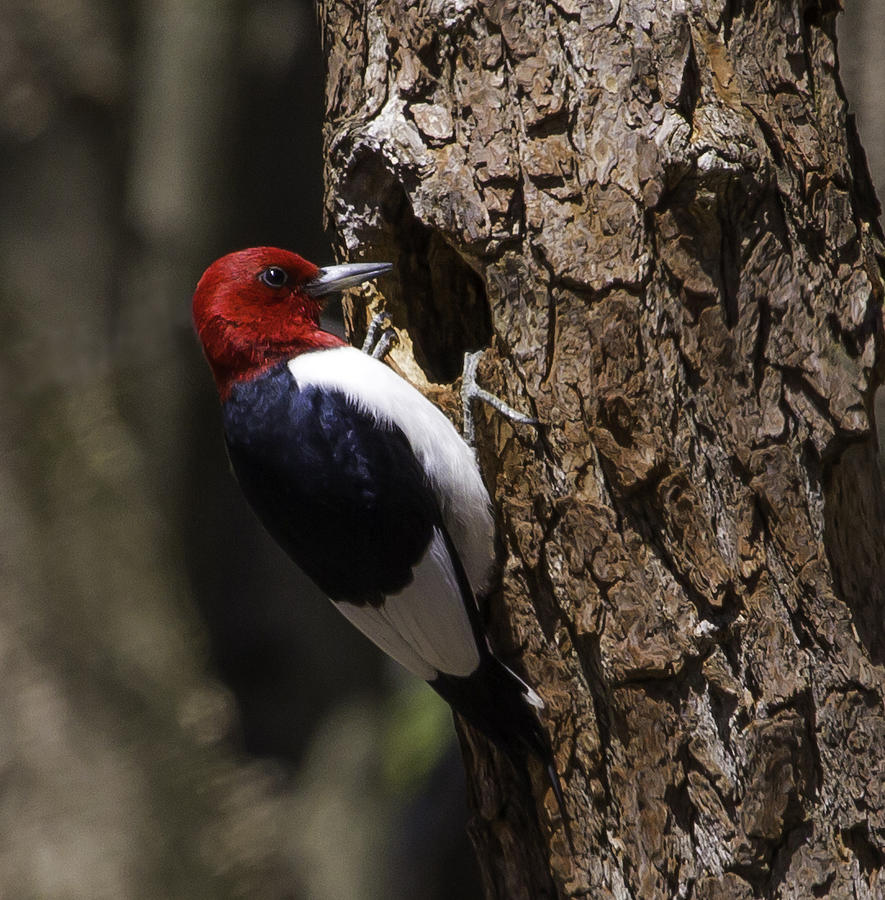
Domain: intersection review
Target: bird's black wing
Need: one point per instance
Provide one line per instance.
(345, 498)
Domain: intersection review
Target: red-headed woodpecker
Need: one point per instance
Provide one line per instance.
(362, 481)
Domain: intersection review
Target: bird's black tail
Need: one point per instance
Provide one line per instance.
(497, 702)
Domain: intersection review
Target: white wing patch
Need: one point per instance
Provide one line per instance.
(425, 627)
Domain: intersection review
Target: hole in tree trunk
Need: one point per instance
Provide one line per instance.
(434, 293)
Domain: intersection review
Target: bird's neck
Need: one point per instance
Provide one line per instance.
(249, 366)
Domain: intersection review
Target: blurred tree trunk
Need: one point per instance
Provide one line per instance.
(117, 781)
(658, 220)
(861, 31)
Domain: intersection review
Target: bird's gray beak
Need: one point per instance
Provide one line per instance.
(337, 278)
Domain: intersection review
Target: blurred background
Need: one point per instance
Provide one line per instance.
(180, 714)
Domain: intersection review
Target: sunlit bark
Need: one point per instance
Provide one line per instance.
(657, 220)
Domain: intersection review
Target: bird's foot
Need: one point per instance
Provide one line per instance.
(471, 391)
(379, 338)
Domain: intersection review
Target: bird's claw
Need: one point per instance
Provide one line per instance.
(380, 337)
(471, 391)
(378, 345)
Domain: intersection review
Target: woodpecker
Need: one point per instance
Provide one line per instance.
(363, 482)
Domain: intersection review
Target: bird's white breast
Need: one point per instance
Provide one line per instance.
(450, 464)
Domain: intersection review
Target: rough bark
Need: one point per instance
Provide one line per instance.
(657, 220)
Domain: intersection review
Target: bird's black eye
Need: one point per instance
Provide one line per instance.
(274, 276)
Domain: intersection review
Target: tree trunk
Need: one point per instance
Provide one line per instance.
(657, 220)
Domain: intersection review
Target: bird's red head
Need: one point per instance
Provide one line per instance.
(256, 307)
